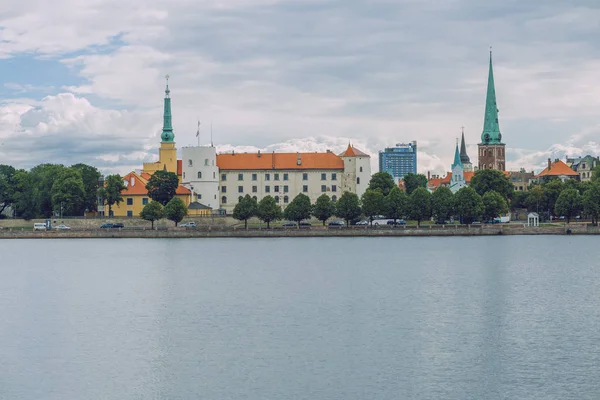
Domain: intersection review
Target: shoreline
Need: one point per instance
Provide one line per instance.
(496, 230)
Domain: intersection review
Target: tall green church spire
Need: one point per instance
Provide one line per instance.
(167, 131)
(456, 157)
(491, 129)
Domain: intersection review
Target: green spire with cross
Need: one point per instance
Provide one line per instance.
(167, 131)
(491, 129)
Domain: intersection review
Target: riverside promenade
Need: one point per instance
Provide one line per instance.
(315, 231)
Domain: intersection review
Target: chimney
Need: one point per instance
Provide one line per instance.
(549, 164)
(233, 152)
(428, 175)
(258, 154)
(299, 162)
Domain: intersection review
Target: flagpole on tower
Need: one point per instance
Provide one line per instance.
(198, 133)
(211, 137)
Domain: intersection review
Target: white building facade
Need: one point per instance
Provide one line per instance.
(200, 174)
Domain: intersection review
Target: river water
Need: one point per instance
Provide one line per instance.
(335, 318)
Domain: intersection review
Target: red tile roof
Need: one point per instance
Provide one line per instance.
(557, 168)
(278, 161)
(352, 151)
(136, 185)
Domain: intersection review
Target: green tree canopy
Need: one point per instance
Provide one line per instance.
(245, 209)
(414, 181)
(568, 204)
(396, 204)
(552, 189)
(486, 180)
(44, 176)
(175, 210)
(90, 176)
(112, 191)
(68, 193)
(8, 186)
(373, 203)
(382, 181)
(26, 205)
(494, 205)
(442, 204)
(535, 198)
(519, 200)
(162, 186)
(591, 202)
(420, 204)
(268, 210)
(299, 209)
(596, 174)
(152, 211)
(348, 207)
(469, 205)
(324, 208)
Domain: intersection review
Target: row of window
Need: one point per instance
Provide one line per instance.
(286, 199)
(276, 189)
(191, 162)
(199, 175)
(285, 176)
(129, 201)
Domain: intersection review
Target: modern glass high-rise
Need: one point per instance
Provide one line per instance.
(399, 160)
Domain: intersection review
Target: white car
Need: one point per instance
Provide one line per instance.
(362, 223)
(191, 224)
(62, 227)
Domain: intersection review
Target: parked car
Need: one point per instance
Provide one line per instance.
(397, 222)
(336, 223)
(362, 223)
(305, 223)
(288, 224)
(39, 226)
(118, 225)
(191, 224)
(106, 226)
(441, 222)
(62, 227)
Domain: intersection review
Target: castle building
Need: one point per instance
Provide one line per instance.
(491, 150)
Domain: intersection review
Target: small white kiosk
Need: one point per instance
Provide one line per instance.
(533, 219)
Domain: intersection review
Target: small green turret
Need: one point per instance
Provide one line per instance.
(167, 135)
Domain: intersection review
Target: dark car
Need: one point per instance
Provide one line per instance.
(118, 225)
(288, 224)
(441, 222)
(336, 223)
(398, 222)
(106, 226)
(304, 223)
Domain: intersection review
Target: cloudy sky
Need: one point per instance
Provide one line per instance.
(84, 81)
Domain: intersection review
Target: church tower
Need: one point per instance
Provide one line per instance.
(457, 181)
(491, 149)
(464, 157)
(167, 153)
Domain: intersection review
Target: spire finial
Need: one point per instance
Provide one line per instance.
(167, 91)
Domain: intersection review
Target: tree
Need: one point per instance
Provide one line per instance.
(382, 181)
(396, 204)
(268, 210)
(162, 186)
(596, 174)
(519, 200)
(90, 176)
(486, 180)
(7, 187)
(373, 203)
(152, 211)
(111, 192)
(535, 198)
(245, 209)
(414, 181)
(68, 193)
(568, 204)
(591, 202)
(44, 176)
(420, 204)
(348, 207)
(324, 208)
(442, 204)
(552, 189)
(494, 205)
(298, 209)
(26, 205)
(175, 210)
(469, 205)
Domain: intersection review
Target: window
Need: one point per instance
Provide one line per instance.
(323, 177)
(129, 201)
(130, 213)
(305, 188)
(144, 201)
(276, 177)
(240, 199)
(223, 177)
(285, 177)
(276, 199)
(334, 198)
(358, 181)
(334, 177)
(240, 177)
(223, 189)
(224, 200)
(276, 189)
(333, 188)
(286, 199)
(286, 189)
(240, 189)
(267, 177)
(360, 169)
(206, 161)
(199, 175)
(198, 196)
(254, 177)
(323, 188)
(305, 176)
(184, 175)
(190, 163)
(214, 175)
(254, 189)
(267, 189)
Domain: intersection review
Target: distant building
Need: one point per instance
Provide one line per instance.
(521, 179)
(464, 157)
(557, 169)
(200, 174)
(399, 160)
(457, 179)
(583, 166)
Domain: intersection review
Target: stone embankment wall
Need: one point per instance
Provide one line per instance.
(222, 232)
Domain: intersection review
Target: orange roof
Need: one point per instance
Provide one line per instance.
(280, 161)
(445, 181)
(352, 151)
(136, 185)
(557, 168)
(179, 167)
